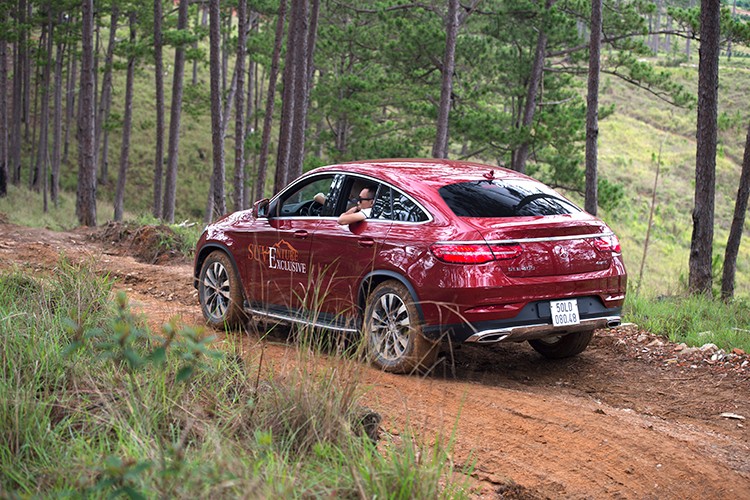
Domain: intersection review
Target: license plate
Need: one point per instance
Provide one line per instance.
(564, 312)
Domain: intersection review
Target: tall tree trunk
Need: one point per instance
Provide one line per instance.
(159, 83)
(4, 171)
(15, 138)
(217, 134)
(297, 142)
(126, 124)
(532, 92)
(86, 196)
(43, 159)
(592, 108)
(57, 121)
(287, 104)
(170, 188)
(268, 117)
(239, 107)
(70, 98)
(34, 164)
(198, 16)
(105, 103)
(738, 222)
(729, 42)
(26, 42)
(440, 146)
(701, 245)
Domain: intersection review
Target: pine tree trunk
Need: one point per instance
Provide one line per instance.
(297, 142)
(159, 83)
(126, 125)
(440, 146)
(217, 133)
(532, 93)
(200, 16)
(57, 122)
(105, 102)
(592, 108)
(15, 138)
(26, 68)
(86, 196)
(287, 104)
(3, 113)
(43, 153)
(701, 245)
(170, 188)
(36, 162)
(268, 117)
(239, 109)
(738, 223)
(70, 98)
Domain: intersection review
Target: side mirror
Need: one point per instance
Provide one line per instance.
(260, 208)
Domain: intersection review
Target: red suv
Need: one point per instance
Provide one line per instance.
(448, 250)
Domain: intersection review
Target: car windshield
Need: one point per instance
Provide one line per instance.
(503, 198)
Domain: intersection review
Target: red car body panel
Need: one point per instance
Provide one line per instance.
(310, 265)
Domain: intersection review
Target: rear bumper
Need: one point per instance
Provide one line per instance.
(534, 321)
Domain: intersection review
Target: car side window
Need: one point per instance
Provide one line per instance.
(406, 210)
(382, 207)
(309, 199)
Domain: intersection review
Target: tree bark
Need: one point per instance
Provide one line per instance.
(701, 245)
(268, 118)
(70, 98)
(35, 164)
(159, 84)
(535, 80)
(287, 105)
(592, 108)
(738, 222)
(126, 124)
(3, 113)
(170, 188)
(440, 146)
(297, 143)
(217, 132)
(43, 158)
(239, 107)
(57, 122)
(86, 196)
(106, 95)
(15, 139)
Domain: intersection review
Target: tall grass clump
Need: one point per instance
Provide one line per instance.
(94, 403)
(693, 319)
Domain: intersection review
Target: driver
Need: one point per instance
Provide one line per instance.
(362, 209)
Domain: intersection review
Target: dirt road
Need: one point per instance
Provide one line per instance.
(632, 417)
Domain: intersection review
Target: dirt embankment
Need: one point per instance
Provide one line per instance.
(632, 417)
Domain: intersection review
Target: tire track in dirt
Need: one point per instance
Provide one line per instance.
(606, 424)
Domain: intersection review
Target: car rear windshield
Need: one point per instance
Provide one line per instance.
(500, 198)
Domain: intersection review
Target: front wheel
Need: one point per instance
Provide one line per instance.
(562, 346)
(394, 333)
(220, 292)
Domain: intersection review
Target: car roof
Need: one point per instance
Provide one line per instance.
(433, 172)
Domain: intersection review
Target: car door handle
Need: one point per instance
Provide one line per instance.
(301, 234)
(366, 242)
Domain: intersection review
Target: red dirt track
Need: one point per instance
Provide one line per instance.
(628, 418)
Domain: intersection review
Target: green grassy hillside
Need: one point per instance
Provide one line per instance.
(629, 144)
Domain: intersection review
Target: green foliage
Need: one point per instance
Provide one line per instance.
(695, 320)
(93, 403)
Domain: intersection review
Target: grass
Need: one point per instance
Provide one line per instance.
(92, 403)
(694, 320)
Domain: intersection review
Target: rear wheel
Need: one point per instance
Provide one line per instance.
(394, 333)
(562, 346)
(220, 292)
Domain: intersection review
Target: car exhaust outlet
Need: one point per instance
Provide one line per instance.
(613, 322)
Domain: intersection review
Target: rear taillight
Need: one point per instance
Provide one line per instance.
(608, 244)
(471, 253)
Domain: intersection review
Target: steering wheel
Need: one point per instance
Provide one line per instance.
(310, 208)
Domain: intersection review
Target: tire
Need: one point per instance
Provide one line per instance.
(563, 346)
(220, 292)
(393, 331)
